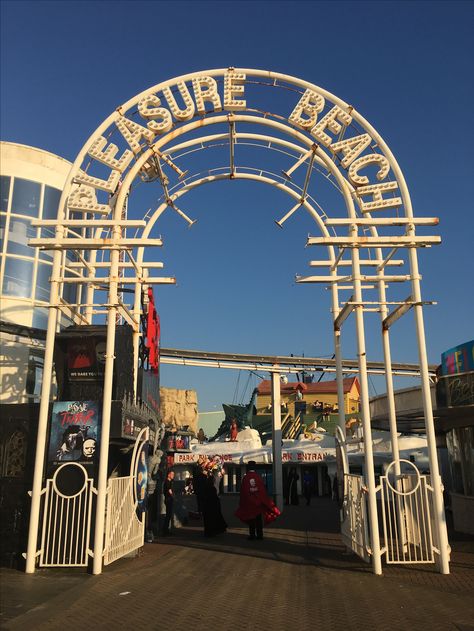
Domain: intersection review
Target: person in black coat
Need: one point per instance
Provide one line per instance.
(293, 478)
(214, 522)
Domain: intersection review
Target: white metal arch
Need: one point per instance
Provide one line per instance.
(316, 126)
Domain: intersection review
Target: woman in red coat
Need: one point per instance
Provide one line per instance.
(255, 506)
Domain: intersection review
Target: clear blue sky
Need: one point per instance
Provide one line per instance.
(406, 66)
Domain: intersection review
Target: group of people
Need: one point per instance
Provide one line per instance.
(255, 506)
(290, 490)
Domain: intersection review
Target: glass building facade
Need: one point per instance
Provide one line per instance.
(31, 181)
(24, 271)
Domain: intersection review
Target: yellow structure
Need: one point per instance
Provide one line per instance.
(310, 398)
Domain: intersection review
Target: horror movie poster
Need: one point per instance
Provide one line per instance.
(85, 358)
(75, 433)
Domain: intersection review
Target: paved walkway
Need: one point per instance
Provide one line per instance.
(298, 577)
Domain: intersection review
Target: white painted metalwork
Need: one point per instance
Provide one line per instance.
(277, 439)
(141, 141)
(124, 530)
(406, 502)
(354, 522)
(65, 528)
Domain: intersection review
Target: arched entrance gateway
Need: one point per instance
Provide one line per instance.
(314, 139)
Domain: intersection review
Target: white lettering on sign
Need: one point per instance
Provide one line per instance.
(107, 157)
(374, 158)
(205, 89)
(310, 104)
(378, 201)
(180, 102)
(84, 200)
(233, 86)
(159, 118)
(331, 121)
(133, 133)
(108, 185)
(180, 114)
(351, 148)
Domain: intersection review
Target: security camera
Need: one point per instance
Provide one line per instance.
(283, 378)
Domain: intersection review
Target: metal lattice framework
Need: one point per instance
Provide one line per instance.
(315, 140)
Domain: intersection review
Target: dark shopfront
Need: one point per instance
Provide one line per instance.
(320, 480)
(18, 429)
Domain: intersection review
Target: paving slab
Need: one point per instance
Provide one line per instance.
(297, 577)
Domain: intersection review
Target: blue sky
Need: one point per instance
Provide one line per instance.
(406, 66)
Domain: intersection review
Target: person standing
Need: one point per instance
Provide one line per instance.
(214, 522)
(293, 478)
(234, 430)
(168, 494)
(307, 486)
(255, 506)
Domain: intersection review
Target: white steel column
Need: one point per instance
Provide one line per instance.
(364, 392)
(41, 438)
(387, 356)
(106, 407)
(438, 504)
(136, 334)
(276, 441)
(338, 357)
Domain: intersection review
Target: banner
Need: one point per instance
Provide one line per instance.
(75, 433)
(86, 358)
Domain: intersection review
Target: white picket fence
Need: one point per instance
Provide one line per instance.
(124, 531)
(66, 528)
(408, 520)
(354, 516)
(407, 517)
(66, 523)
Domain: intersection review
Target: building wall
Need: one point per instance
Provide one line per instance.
(31, 181)
(351, 401)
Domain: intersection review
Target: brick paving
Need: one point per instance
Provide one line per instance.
(298, 577)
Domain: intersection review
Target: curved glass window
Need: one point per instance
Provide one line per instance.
(26, 197)
(3, 223)
(18, 278)
(4, 191)
(42, 287)
(51, 202)
(20, 231)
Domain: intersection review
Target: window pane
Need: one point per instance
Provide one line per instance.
(4, 190)
(46, 233)
(42, 282)
(20, 231)
(70, 290)
(40, 318)
(26, 196)
(3, 221)
(18, 278)
(51, 202)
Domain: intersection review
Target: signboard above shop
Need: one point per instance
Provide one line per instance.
(455, 387)
(264, 456)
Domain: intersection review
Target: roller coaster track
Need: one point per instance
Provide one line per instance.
(280, 363)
